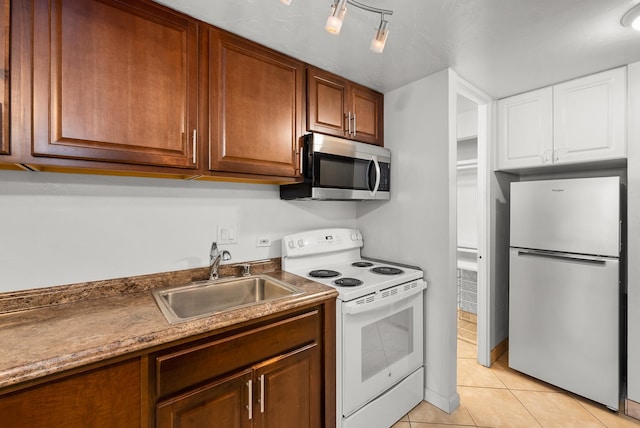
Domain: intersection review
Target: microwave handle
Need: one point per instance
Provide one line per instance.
(374, 161)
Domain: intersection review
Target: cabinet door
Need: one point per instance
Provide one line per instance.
(525, 131)
(114, 81)
(287, 392)
(589, 117)
(4, 74)
(367, 108)
(220, 404)
(327, 103)
(256, 108)
(103, 398)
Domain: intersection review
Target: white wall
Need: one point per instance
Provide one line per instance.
(633, 235)
(467, 124)
(467, 212)
(417, 226)
(63, 228)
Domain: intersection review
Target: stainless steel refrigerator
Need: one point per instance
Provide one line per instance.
(564, 284)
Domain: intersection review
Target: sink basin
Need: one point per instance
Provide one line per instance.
(201, 299)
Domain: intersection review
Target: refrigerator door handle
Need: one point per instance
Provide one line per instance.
(568, 256)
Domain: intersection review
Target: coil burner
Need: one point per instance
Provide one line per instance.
(324, 273)
(387, 270)
(348, 282)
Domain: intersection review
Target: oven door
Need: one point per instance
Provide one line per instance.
(382, 343)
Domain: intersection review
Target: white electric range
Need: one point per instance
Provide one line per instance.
(379, 321)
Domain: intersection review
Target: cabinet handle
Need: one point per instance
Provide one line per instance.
(250, 401)
(300, 164)
(262, 393)
(355, 129)
(193, 143)
(349, 124)
(556, 154)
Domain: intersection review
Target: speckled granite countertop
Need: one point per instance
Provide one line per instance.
(66, 332)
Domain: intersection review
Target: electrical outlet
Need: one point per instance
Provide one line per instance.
(227, 234)
(263, 241)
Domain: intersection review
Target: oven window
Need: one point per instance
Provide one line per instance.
(386, 341)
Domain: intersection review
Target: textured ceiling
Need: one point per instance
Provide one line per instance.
(502, 46)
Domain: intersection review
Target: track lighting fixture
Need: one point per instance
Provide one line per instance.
(338, 11)
(632, 18)
(380, 38)
(334, 21)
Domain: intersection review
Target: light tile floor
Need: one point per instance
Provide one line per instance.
(501, 397)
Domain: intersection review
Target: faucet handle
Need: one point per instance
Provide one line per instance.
(213, 253)
(225, 256)
(246, 269)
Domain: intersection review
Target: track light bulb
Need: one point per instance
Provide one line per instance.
(285, 2)
(380, 37)
(334, 22)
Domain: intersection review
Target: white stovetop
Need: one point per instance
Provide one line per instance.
(336, 249)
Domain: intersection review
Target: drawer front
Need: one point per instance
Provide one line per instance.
(187, 367)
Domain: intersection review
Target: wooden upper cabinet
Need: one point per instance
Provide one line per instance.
(366, 106)
(4, 74)
(255, 107)
(336, 106)
(327, 103)
(114, 81)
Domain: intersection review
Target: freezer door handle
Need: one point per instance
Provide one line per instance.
(566, 256)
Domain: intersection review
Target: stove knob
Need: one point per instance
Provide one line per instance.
(291, 244)
(354, 237)
(301, 242)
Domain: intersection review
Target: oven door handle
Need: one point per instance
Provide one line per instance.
(353, 307)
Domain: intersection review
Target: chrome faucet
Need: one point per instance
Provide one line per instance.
(215, 256)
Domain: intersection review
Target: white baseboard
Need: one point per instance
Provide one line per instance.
(446, 404)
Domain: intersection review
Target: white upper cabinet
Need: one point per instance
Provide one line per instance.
(525, 132)
(589, 117)
(582, 120)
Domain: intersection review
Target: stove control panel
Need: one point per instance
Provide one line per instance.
(320, 241)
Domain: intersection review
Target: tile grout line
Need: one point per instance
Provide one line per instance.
(589, 411)
(525, 407)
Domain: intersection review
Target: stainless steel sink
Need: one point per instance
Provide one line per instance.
(201, 299)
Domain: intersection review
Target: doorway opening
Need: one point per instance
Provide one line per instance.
(467, 220)
(472, 212)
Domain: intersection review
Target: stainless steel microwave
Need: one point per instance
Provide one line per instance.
(339, 169)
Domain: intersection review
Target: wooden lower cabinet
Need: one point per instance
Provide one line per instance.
(219, 404)
(288, 393)
(270, 376)
(280, 392)
(104, 397)
(277, 372)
